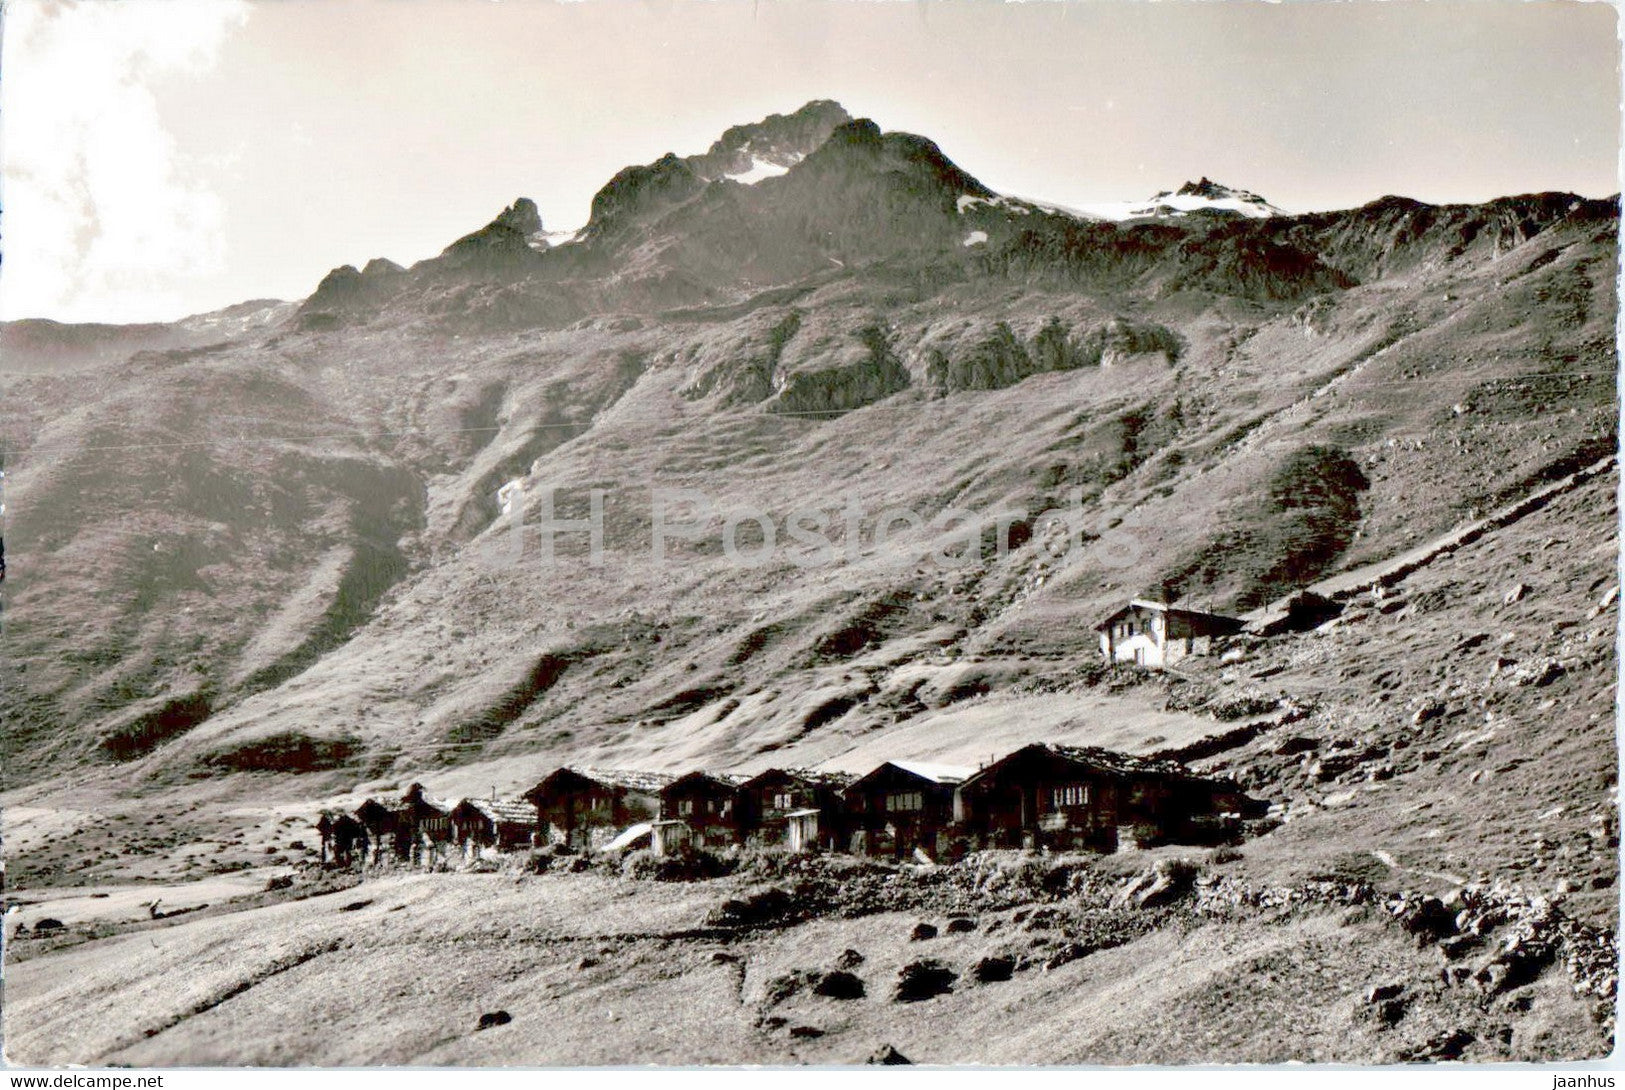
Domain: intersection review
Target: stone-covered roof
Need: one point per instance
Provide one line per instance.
(727, 780)
(504, 811)
(835, 781)
(648, 783)
(1108, 761)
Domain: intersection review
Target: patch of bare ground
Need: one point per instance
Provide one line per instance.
(1001, 959)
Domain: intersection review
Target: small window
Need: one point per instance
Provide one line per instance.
(904, 801)
(1075, 794)
(685, 806)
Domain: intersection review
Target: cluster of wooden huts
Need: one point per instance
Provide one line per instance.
(1043, 795)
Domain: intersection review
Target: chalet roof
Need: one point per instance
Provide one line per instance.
(1161, 607)
(417, 793)
(727, 781)
(502, 811)
(1109, 761)
(937, 773)
(815, 777)
(648, 783)
(373, 813)
(631, 779)
(944, 775)
(1112, 760)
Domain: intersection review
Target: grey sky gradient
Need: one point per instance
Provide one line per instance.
(301, 135)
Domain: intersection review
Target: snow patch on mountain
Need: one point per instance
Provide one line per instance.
(760, 169)
(1018, 206)
(1203, 197)
(549, 240)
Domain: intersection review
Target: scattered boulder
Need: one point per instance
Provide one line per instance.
(1379, 992)
(355, 906)
(1291, 747)
(993, 969)
(1515, 594)
(587, 963)
(764, 907)
(49, 923)
(1244, 706)
(1065, 954)
(922, 931)
(887, 1055)
(1448, 1045)
(839, 984)
(1427, 918)
(921, 980)
(805, 1032)
(1162, 884)
(1541, 674)
(848, 959)
(281, 881)
(1390, 1011)
(1430, 709)
(1306, 610)
(1519, 959)
(494, 1018)
(1457, 946)
(961, 925)
(1042, 919)
(1602, 606)
(785, 985)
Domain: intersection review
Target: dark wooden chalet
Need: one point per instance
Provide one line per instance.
(424, 825)
(701, 809)
(344, 838)
(382, 824)
(1082, 797)
(586, 808)
(502, 824)
(902, 809)
(813, 798)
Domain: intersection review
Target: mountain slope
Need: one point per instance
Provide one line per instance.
(287, 548)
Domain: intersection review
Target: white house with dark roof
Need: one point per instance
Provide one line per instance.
(1157, 634)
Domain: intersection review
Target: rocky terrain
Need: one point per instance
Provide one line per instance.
(838, 961)
(264, 560)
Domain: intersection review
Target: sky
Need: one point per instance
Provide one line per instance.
(167, 157)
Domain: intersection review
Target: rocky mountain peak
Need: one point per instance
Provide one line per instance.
(1208, 197)
(748, 153)
(520, 216)
(1213, 191)
(860, 147)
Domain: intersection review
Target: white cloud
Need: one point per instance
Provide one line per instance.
(101, 218)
